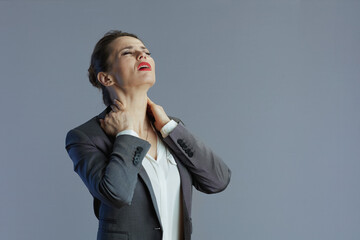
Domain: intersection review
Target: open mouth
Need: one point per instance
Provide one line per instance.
(144, 66)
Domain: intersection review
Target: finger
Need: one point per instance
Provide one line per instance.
(108, 117)
(102, 123)
(114, 108)
(119, 105)
(151, 103)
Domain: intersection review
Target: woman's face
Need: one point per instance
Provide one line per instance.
(130, 63)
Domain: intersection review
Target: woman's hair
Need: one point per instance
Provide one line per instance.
(99, 60)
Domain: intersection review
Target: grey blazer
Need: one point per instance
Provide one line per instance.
(124, 201)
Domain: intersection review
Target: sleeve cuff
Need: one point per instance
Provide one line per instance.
(166, 130)
(128, 132)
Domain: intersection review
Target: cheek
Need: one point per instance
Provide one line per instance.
(124, 68)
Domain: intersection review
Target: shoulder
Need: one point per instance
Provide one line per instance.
(90, 132)
(82, 132)
(92, 126)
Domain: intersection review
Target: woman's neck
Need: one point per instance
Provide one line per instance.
(135, 102)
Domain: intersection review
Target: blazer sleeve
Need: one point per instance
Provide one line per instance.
(110, 178)
(210, 174)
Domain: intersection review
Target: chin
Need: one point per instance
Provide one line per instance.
(149, 80)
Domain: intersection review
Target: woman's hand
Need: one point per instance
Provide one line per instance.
(117, 120)
(158, 113)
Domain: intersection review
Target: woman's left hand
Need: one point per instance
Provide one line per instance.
(158, 113)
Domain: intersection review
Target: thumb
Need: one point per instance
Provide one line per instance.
(102, 123)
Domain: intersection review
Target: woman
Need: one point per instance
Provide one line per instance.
(138, 163)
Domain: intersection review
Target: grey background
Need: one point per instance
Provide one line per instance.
(271, 86)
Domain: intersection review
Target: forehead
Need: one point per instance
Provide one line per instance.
(126, 41)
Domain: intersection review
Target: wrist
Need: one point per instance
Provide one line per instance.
(161, 124)
(168, 128)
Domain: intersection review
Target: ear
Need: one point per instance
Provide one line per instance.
(105, 79)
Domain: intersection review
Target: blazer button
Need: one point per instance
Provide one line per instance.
(190, 154)
(139, 149)
(180, 141)
(136, 159)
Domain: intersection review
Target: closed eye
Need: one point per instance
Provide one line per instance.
(126, 53)
(129, 52)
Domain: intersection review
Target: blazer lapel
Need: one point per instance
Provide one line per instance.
(186, 186)
(185, 178)
(147, 182)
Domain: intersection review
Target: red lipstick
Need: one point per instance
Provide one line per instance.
(144, 66)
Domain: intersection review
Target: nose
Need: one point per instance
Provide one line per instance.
(141, 55)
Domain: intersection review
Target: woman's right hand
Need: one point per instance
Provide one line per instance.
(117, 120)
